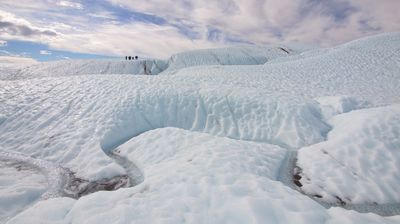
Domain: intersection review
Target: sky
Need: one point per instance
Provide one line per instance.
(45, 30)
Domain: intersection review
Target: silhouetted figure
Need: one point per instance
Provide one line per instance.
(126, 58)
(129, 57)
(136, 57)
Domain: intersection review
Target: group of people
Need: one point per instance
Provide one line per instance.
(131, 58)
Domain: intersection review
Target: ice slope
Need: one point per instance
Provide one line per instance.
(243, 55)
(11, 65)
(70, 120)
(362, 151)
(196, 178)
(79, 67)
(367, 69)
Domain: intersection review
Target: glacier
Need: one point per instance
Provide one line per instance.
(207, 135)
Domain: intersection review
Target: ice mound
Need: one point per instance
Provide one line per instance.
(70, 120)
(84, 67)
(243, 114)
(243, 55)
(359, 162)
(367, 69)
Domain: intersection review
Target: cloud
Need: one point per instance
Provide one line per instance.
(45, 52)
(137, 38)
(265, 21)
(16, 60)
(22, 30)
(70, 4)
(3, 43)
(159, 28)
(13, 27)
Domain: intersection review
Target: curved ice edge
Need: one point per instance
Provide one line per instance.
(62, 182)
(285, 176)
(133, 172)
(55, 174)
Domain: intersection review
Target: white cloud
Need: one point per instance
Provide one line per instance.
(70, 4)
(13, 27)
(137, 38)
(263, 21)
(3, 43)
(45, 52)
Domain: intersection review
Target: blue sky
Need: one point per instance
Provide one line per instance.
(42, 52)
(68, 29)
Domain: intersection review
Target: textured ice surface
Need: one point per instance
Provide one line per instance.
(359, 162)
(245, 55)
(250, 55)
(53, 172)
(367, 69)
(20, 187)
(2, 118)
(334, 105)
(72, 119)
(196, 178)
(79, 67)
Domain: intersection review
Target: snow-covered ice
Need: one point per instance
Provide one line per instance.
(244, 55)
(359, 162)
(79, 67)
(195, 178)
(20, 187)
(76, 118)
(334, 105)
(207, 138)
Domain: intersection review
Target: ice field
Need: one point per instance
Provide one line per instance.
(250, 134)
